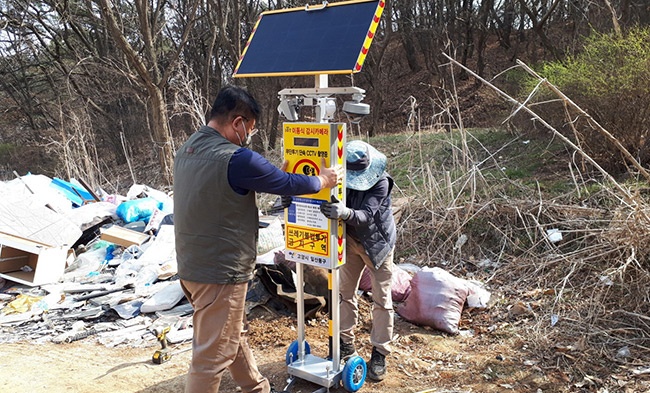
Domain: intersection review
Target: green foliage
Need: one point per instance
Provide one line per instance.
(408, 155)
(608, 65)
(609, 80)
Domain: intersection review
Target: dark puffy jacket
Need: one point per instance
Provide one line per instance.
(372, 221)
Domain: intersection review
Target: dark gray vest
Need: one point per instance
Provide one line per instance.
(215, 227)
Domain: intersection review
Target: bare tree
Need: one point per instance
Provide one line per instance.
(147, 68)
(129, 64)
(539, 13)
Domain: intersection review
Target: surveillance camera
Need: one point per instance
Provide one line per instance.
(288, 109)
(325, 108)
(356, 110)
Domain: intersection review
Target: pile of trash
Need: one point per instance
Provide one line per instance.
(77, 263)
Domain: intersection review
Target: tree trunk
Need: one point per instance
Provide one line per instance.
(161, 133)
(538, 26)
(148, 74)
(410, 50)
(275, 119)
(406, 28)
(484, 28)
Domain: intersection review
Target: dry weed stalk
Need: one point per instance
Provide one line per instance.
(187, 99)
(127, 155)
(77, 149)
(598, 275)
(590, 120)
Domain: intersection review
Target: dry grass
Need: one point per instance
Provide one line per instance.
(587, 296)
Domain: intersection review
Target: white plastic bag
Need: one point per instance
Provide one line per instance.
(164, 299)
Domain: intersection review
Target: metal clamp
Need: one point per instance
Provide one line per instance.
(322, 7)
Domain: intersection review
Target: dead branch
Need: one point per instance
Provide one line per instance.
(590, 120)
(630, 200)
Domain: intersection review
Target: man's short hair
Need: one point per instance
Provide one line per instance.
(233, 101)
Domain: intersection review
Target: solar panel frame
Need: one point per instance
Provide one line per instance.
(332, 39)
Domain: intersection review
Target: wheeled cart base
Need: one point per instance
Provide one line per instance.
(316, 370)
(324, 372)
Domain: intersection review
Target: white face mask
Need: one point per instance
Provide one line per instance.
(248, 139)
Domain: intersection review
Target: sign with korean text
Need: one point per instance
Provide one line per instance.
(310, 237)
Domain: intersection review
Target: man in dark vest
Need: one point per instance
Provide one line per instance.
(216, 228)
(370, 243)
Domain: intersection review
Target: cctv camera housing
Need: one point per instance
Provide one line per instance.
(354, 108)
(288, 110)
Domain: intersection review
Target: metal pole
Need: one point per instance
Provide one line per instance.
(301, 312)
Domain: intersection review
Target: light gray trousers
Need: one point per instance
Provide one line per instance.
(382, 308)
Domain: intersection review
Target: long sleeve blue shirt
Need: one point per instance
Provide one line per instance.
(249, 171)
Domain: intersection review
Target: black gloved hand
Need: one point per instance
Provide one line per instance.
(335, 209)
(285, 201)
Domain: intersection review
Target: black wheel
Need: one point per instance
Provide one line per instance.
(292, 352)
(354, 373)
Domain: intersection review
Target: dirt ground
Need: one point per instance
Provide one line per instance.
(423, 360)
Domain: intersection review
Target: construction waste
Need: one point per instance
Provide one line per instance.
(77, 263)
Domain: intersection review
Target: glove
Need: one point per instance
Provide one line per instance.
(285, 201)
(335, 209)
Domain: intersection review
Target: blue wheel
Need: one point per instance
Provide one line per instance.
(354, 373)
(292, 352)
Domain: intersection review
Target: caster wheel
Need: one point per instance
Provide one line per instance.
(354, 373)
(292, 352)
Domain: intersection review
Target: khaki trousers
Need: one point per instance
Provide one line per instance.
(382, 307)
(219, 341)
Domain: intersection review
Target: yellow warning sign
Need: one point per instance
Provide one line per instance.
(306, 145)
(310, 237)
(310, 240)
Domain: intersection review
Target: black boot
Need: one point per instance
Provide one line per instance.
(377, 366)
(347, 350)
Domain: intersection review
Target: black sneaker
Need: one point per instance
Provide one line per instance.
(377, 366)
(347, 350)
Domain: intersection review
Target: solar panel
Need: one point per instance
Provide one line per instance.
(323, 39)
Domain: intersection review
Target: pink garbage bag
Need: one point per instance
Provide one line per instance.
(436, 299)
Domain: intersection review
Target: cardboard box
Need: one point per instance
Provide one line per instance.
(29, 262)
(123, 236)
